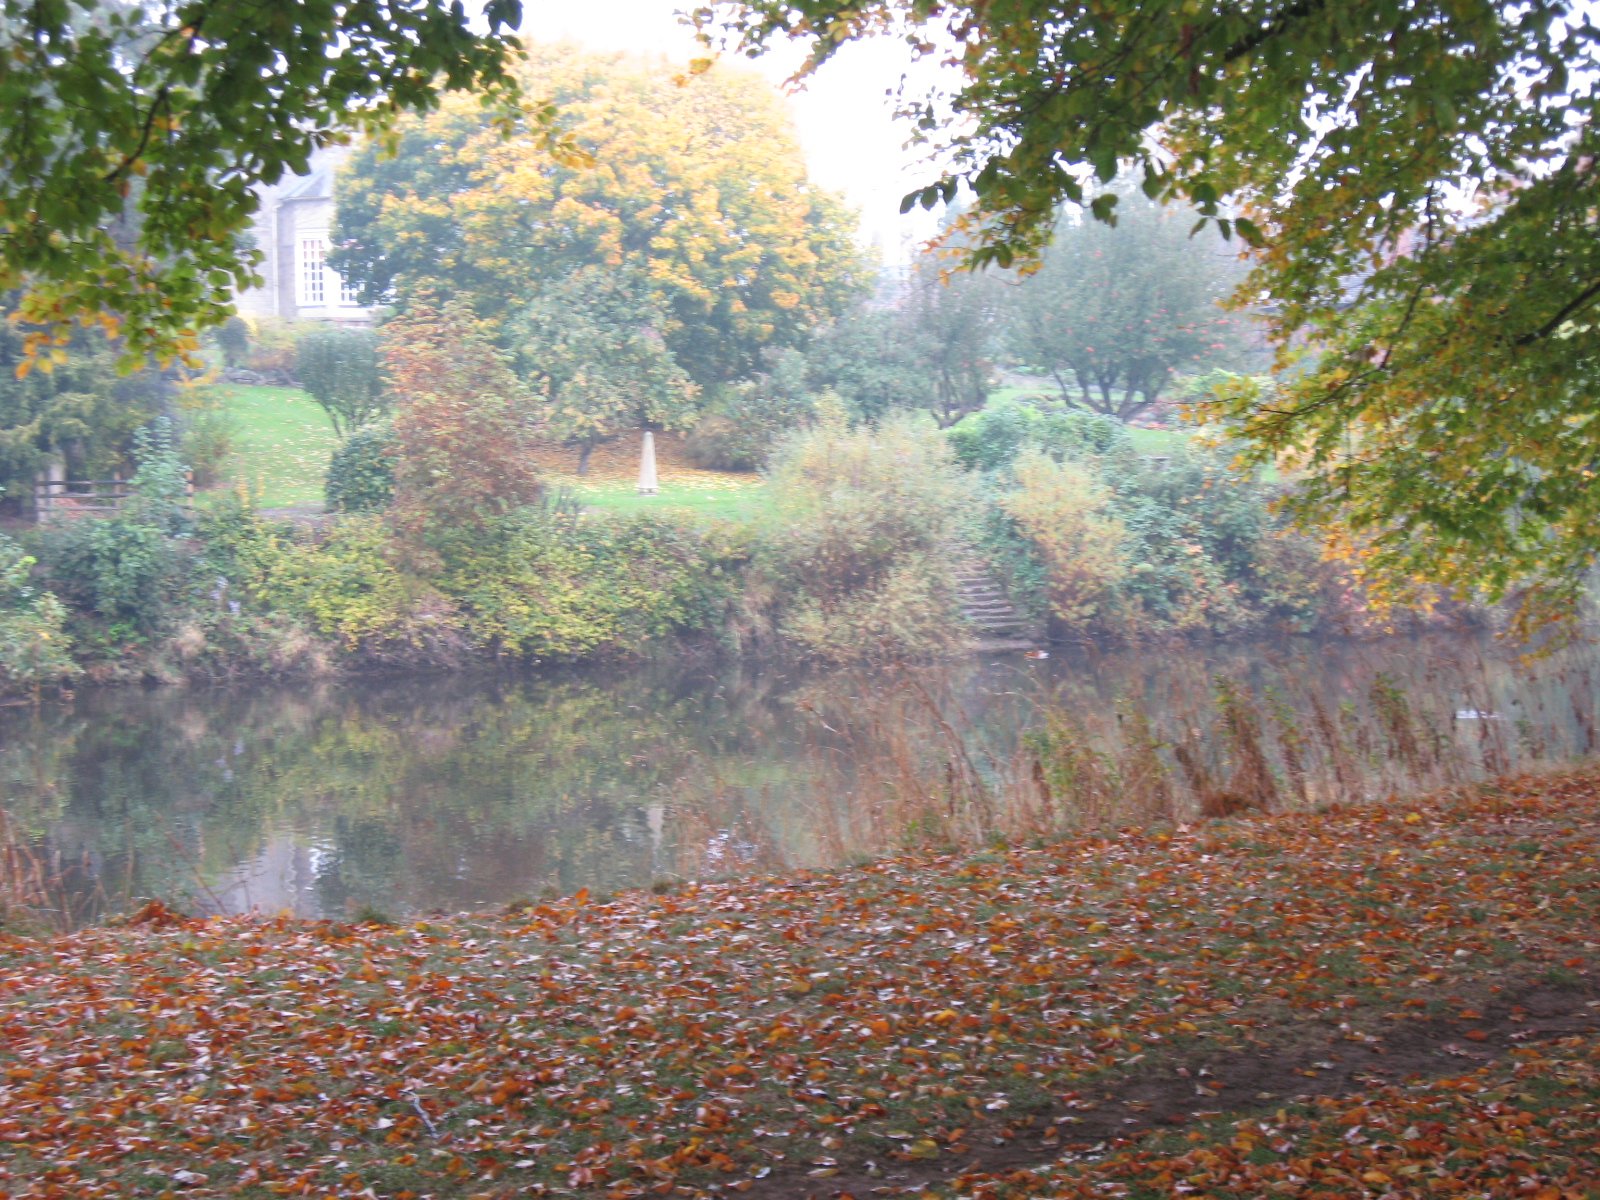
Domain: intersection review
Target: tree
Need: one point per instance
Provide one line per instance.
(463, 449)
(863, 358)
(135, 135)
(697, 187)
(339, 367)
(592, 344)
(1115, 312)
(951, 325)
(81, 411)
(932, 347)
(1418, 177)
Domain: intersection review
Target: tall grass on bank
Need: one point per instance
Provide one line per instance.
(908, 762)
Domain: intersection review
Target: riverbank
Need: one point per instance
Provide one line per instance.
(1386, 1000)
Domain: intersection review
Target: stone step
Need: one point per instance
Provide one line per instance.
(993, 623)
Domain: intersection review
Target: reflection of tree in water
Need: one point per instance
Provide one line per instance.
(405, 795)
(416, 795)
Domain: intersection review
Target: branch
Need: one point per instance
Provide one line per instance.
(1582, 299)
(1249, 45)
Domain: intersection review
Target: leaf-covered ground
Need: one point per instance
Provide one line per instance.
(1396, 1001)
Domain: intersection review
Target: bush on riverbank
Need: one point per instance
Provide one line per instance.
(855, 563)
(1119, 546)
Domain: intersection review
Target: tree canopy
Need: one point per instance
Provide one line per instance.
(697, 187)
(1114, 314)
(134, 136)
(1419, 180)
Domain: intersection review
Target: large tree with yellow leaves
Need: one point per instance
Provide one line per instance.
(693, 190)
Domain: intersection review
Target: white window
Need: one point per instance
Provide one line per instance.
(313, 252)
(349, 294)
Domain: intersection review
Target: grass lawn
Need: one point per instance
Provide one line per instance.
(281, 447)
(1400, 1000)
(1159, 441)
(612, 482)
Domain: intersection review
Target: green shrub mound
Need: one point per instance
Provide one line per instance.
(361, 472)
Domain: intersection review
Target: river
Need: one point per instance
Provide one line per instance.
(420, 795)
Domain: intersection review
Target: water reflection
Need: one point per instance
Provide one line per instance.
(441, 793)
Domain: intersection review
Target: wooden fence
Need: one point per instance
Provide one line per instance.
(66, 498)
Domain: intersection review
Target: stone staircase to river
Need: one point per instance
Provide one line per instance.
(993, 620)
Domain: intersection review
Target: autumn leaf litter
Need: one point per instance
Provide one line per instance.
(964, 1025)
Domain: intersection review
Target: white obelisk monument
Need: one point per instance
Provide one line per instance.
(647, 466)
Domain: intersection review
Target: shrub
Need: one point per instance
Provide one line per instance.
(1065, 512)
(159, 489)
(121, 569)
(339, 367)
(233, 339)
(34, 646)
(991, 439)
(352, 585)
(361, 472)
(209, 431)
(272, 348)
(863, 519)
(545, 584)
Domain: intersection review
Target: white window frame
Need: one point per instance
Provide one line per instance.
(311, 272)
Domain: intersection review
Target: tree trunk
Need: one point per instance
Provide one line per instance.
(585, 449)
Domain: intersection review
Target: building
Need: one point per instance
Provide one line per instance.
(291, 229)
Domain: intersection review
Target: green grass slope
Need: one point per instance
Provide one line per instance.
(283, 440)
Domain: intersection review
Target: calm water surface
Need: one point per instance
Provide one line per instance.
(450, 793)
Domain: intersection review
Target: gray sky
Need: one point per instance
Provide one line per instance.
(843, 116)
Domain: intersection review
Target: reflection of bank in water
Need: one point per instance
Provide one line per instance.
(451, 793)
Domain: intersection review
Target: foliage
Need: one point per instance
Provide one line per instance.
(1064, 510)
(1311, 930)
(126, 569)
(361, 471)
(136, 135)
(546, 585)
(1398, 167)
(34, 645)
(462, 423)
(865, 358)
(990, 439)
(159, 488)
(1122, 546)
(210, 435)
(698, 186)
(233, 339)
(592, 344)
(354, 585)
(744, 421)
(339, 367)
(120, 569)
(77, 410)
(274, 347)
(1114, 313)
(863, 520)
